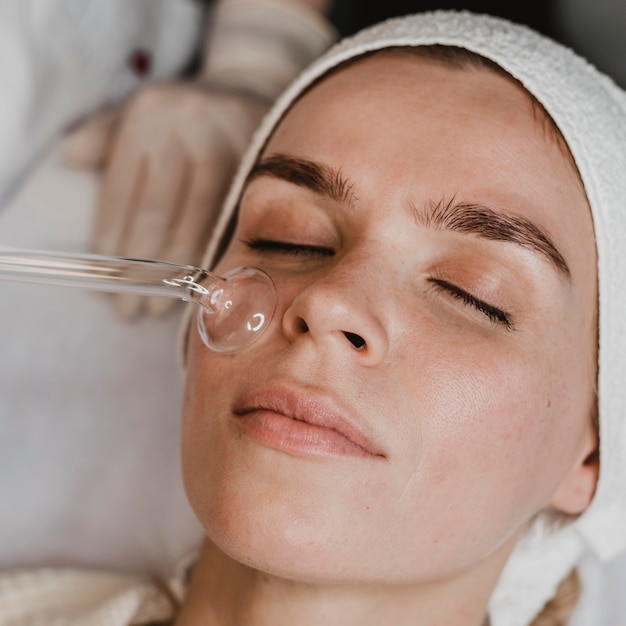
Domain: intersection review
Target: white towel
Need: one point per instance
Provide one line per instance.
(590, 111)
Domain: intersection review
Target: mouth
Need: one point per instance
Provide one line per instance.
(302, 424)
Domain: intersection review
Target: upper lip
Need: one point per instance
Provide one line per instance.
(312, 408)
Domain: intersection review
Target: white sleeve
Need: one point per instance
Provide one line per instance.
(62, 59)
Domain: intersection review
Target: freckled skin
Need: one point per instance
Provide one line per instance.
(481, 427)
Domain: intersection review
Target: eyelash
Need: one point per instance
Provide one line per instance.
(271, 246)
(495, 314)
(285, 247)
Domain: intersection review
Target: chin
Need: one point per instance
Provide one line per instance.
(306, 541)
(274, 551)
(320, 544)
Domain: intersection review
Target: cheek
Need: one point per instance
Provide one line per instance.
(488, 422)
(204, 399)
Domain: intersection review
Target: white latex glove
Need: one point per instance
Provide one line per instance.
(168, 156)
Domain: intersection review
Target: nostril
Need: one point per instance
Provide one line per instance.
(302, 326)
(356, 340)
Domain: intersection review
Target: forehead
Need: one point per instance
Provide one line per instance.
(401, 125)
(411, 81)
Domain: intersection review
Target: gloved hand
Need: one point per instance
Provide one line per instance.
(168, 155)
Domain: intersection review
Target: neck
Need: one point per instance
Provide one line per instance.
(225, 592)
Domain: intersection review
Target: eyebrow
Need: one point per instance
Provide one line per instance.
(320, 179)
(461, 217)
(483, 222)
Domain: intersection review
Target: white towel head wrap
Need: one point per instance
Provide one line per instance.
(590, 111)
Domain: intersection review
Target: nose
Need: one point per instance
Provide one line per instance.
(339, 311)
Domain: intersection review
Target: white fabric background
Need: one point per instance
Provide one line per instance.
(89, 405)
(89, 408)
(603, 602)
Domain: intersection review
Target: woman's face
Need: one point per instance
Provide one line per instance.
(425, 386)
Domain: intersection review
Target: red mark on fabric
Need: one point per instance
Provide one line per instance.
(140, 62)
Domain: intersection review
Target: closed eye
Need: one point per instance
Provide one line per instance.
(272, 246)
(493, 313)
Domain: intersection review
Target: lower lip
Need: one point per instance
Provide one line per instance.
(294, 437)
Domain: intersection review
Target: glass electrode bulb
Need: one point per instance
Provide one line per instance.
(236, 309)
(233, 309)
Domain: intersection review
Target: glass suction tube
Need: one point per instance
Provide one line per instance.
(234, 309)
